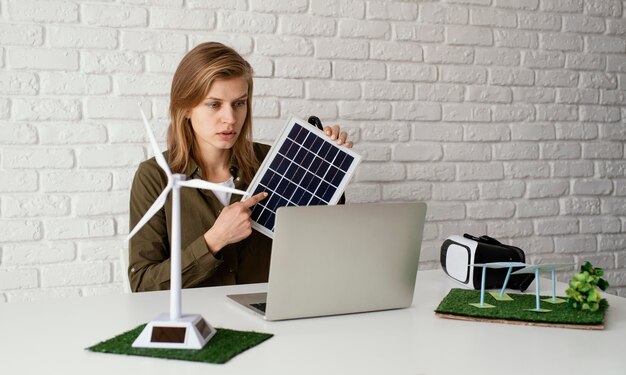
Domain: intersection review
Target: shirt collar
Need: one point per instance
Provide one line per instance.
(192, 170)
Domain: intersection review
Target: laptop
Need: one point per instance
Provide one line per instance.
(329, 260)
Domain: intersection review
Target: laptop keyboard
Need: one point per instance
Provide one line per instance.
(261, 306)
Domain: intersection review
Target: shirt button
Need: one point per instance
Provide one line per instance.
(231, 270)
(237, 179)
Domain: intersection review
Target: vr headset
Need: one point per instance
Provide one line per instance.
(460, 253)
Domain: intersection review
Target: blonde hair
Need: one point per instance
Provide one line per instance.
(195, 74)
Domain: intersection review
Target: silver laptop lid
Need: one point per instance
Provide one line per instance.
(341, 259)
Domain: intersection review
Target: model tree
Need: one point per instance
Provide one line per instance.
(583, 293)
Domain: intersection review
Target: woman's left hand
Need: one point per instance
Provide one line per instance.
(335, 133)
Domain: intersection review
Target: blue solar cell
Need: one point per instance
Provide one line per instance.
(347, 161)
(307, 160)
(301, 154)
(285, 147)
(324, 150)
(267, 178)
(282, 202)
(297, 176)
(332, 153)
(330, 174)
(256, 210)
(303, 198)
(275, 179)
(320, 167)
(258, 189)
(291, 153)
(294, 131)
(308, 142)
(289, 190)
(281, 188)
(291, 170)
(328, 194)
(272, 200)
(315, 202)
(315, 182)
(314, 166)
(321, 190)
(306, 179)
(339, 159)
(265, 216)
(302, 134)
(317, 144)
(276, 162)
(338, 178)
(284, 164)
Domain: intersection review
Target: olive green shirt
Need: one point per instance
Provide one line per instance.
(244, 262)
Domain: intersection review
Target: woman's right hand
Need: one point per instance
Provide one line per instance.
(232, 225)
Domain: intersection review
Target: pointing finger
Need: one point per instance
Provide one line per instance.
(248, 203)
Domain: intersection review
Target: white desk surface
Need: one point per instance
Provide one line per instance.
(50, 337)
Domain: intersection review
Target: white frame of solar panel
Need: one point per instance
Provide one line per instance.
(265, 166)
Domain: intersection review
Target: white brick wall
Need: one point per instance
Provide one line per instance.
(506, 116)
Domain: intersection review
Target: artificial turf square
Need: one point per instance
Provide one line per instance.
(458, 302)
(225, 345)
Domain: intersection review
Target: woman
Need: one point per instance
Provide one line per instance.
(209, 137)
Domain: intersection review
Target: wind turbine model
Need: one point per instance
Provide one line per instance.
(175, 331)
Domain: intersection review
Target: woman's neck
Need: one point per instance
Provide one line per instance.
(215, 165)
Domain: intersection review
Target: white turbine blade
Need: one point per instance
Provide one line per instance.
(202, 184)
(156, 206)
(155, 146)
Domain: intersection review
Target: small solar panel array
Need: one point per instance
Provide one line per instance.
(303, 168)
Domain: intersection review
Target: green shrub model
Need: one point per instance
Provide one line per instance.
(583, 293)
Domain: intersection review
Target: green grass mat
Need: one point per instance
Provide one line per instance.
(457, 302)
(225, 345)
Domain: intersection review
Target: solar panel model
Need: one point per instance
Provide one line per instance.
(303, 168)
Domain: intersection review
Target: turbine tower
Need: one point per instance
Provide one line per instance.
(174, 331)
